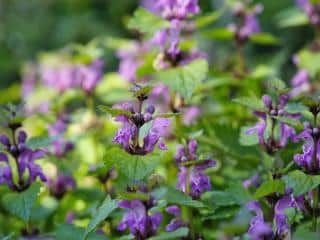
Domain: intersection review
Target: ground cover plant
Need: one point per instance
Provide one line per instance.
(185, 140)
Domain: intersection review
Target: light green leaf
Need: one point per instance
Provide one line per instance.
(114, 111)
(72, 232)
(264, 39)
(219, 34)
(300, 182)
(40, 142)
(246, 139)
(269, 187)
(205, 20)
(292, 17)
(185, 79)
(179, 233)
(146, 22)
(239, 193)
(107, 207)
(20, 204)
(310, 61)
(250, 102)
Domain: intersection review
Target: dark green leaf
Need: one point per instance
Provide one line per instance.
(20, 204)
(72, 232)
(177, 234)
(107, 207)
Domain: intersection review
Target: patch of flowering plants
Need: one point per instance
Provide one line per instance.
(185, 140)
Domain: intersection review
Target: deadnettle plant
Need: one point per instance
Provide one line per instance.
(24, 159)
(312, 9)
(133, 118)
(272, 133)
(191, 177)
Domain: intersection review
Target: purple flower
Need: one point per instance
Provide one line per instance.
(137, 219)
(190, 114)
(253, 181)
(90, 75)
(195, 177)
(172, 9)
(176, 222)
(60, 146)
(248, 22)
(28, 170)
(61, 185)
(300, 83)
(309, 160)
(258, 229)
(272, 111)
(128, 135)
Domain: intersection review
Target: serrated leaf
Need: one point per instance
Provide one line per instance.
(179, 233)
(264, 39)
(114, 111)
(72, 232)
(250, 102)
(174, 196)
(300, 182)
(222, 213)
(20, 204)
(269, 187)
(219, 34)
(292, 17)
(218, 198)
(40, 142)
(247, 139)
(184, 79)
(205, 20)
(146, 22)
(107, 207)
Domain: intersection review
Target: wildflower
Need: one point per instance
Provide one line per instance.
(176, 222)
(195, 177)
(25, 163)
(61, 185)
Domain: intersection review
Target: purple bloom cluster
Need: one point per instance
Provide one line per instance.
(68, 76)
(128, 135)
(193, 181)
(273, 110)
(138, 220)
(260, 230)
(310, 158)
(25, 162)
(61, 185)
(311, 9)
(248, 23)
(60, 146)
(176, 222)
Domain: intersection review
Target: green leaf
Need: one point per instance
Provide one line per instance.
(185, 79)
(250, 102)
(291, 122)
(179, 233)
(303, 233)
(222, 213)
(295, 108)
(292, 17)
(133, 196)
(146, 22)
(264, 39)
(239, 193)
(269, 187)
(114, 111)
(72, 232)
(219, 34)
(205, 20)
(20, 204)
(107, 207)
(143, 91)
(246, 139)
(218, 198)
(310, 61)
(134, 167)
(277, 84)
(40, 142)
(300, 182)
(174, 196)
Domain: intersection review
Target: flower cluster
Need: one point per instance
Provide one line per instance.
(248, 23)
(24, 158)
(271, 112)
(133, 119)
(191, 177)
(60, 146)
(61, 185)
(138, 220)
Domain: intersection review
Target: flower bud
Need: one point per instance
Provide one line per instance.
(267, 101)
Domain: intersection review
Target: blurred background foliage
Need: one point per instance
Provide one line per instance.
(31, 26)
